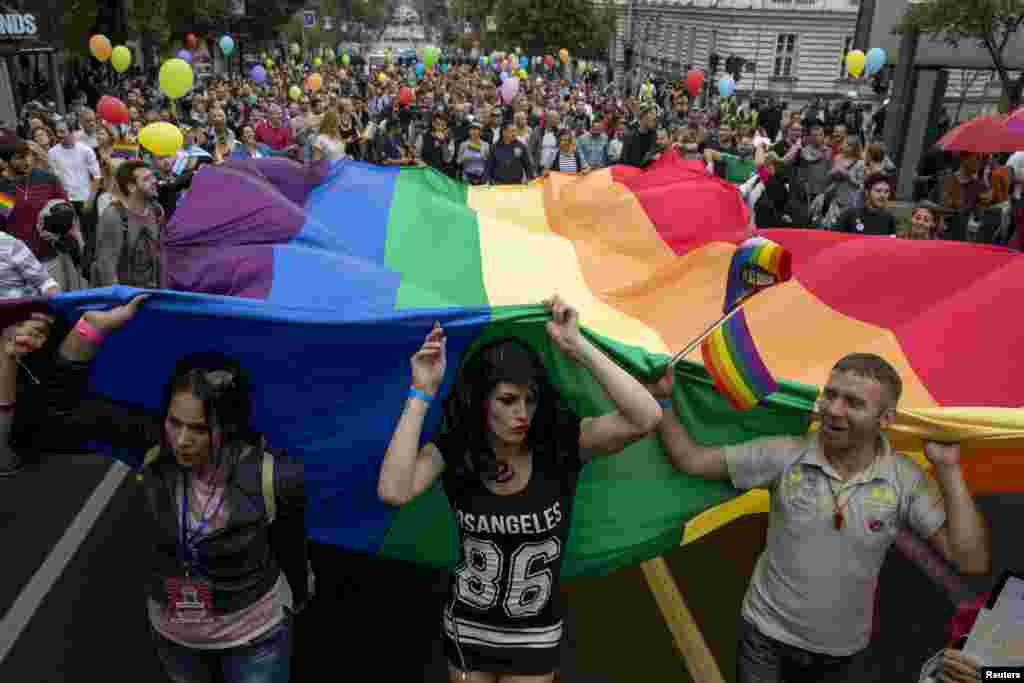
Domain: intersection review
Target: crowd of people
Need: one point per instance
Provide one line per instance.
(820, 167)
(89, 204)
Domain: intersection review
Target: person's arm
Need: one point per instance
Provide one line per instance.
(963, 539)
(31, 270)
(686, 454)
(317, 154)
(109, 241)
(408, 470)
(637, 412)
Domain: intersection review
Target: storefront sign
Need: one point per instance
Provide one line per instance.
(16, 26)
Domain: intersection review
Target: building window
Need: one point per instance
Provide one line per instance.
(785, 55)
(847, 46)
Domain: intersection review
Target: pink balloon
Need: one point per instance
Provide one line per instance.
(509, 89)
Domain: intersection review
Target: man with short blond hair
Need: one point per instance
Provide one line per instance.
(839, 497)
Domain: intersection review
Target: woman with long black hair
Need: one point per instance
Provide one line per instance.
(510, 453)
(219, 603)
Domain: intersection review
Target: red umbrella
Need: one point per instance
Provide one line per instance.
(984, 135)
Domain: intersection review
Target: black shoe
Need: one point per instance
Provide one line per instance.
(11, 471)
(17, 466)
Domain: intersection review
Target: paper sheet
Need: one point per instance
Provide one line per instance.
(996, 641)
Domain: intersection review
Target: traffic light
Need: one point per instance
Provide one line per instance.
(713, 61)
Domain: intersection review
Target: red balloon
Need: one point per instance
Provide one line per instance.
(694, 81)
(405, 96)
(112, 110)
(549, 60)
(191, 41)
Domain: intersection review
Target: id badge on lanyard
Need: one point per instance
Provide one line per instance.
(190, 597)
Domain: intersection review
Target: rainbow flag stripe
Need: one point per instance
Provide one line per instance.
(125, 151)
(346, 266)
(732, 360)
(758, 263)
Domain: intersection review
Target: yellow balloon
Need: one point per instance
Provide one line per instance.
(175, 78)
(855, 63)
(382, 78)
(161, 138)
(295, 92)
(317, 62)
(121, 59)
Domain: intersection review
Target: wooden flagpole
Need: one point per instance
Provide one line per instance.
(687, 636)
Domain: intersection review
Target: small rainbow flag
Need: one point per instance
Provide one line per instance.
(6, 201)
(732, 360)
(757, 264)
(125, 151)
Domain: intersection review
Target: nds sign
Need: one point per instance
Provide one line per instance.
(17, 26)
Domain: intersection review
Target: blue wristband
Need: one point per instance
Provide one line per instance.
(420, 394)
(666, 403)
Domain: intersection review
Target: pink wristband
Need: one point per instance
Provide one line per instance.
(88, 331)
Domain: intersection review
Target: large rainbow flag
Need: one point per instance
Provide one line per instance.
(336, 272)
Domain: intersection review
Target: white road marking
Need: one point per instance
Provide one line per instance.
(23, 609)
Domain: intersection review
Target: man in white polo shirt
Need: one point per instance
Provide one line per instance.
(76, 165)
(839, 496)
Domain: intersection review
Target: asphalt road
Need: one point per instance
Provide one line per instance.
(381, 617)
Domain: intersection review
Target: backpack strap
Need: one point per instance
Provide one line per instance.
(268, 486)
(151, 456)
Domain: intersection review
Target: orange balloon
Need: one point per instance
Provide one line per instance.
(100, 47)
(314, 82)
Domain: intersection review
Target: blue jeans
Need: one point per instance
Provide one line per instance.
(761, 659)
(265, 659)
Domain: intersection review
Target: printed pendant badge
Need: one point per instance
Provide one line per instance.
(189, 600)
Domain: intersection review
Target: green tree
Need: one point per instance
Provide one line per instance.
(534, 25)
(990, 23)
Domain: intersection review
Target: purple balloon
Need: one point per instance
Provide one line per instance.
(185, 55)
(259, 74)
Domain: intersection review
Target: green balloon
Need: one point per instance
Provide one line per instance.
(345, 59)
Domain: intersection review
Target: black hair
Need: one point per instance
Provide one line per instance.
(465, 433)
(222, 387)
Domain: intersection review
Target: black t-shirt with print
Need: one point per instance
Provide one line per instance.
(867, 221)
(504, 597)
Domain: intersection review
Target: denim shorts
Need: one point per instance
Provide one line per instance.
(265, 659)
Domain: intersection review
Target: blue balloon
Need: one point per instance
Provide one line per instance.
(504, 76)
(227, 45)
(258, 74)
(726, 86)
(420, 69)
(876, 59)
(185, 55)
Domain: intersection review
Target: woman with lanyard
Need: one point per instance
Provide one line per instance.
(510, 454)
(219, 605)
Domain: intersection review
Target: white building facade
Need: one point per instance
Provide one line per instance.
(794, 49)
